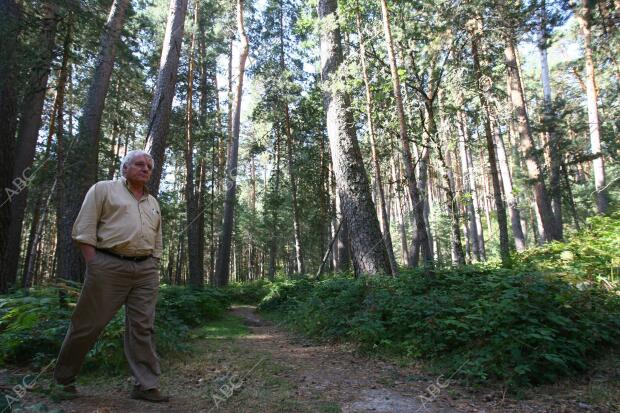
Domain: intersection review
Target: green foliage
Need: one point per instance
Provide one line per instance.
(251, 292)
(590, 255)
(285, 294)
(33, 326)
(228, 327)
(192, 307)
(515, 327)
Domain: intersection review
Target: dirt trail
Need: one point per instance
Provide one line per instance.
(272, 370)
(356, 384)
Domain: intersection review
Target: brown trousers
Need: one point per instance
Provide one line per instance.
(111, 282)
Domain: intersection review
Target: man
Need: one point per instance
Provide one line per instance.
(119, 234)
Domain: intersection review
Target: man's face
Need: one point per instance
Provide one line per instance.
(139, 170)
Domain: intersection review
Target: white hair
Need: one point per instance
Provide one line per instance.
(131, 155)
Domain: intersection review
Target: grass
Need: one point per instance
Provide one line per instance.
(228, 327)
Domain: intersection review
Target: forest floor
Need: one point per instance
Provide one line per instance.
(246, 363)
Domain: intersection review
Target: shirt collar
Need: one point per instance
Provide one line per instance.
(126, 184)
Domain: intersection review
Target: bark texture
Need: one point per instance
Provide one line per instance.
(30, 123)
(497, 190)
(511, 200)
(368, 248)
(469, 187)
(383, 215)
(299, 256)
(10, 25)
(194, 220)
(526, 143)
(583, 13)
(161, 106)
(549, 124)
(80, 171)
(223, 253)
(422, 241)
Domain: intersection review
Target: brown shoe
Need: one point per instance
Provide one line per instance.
(150, 395)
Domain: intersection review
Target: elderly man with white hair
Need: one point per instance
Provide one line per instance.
(119, 233)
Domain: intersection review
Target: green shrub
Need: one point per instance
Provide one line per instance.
(515, 327)
(33, 326)
(592, 254)
(285, 293)
(192, 307)
(251, 292)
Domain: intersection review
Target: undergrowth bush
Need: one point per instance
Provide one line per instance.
(515, 327)
(33, 326)
(284, 293)
(250, 292)
(592, 254)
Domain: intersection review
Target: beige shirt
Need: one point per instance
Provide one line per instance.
(112, 218)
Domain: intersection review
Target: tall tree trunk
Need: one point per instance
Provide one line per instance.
(570, 198)
(299, 257)
(424, 186)
(273, 246)
(33, 245)
(383, 215)
(10, 27)
(368, 248)
(159, 118)
(56, 128)
(583, 13)
(225, 143)
(62, 219)
(455, 222)
(223, 253)
(325, 221)
(421, 236)
(194, 252)
(400, 213)
(469, 185)
(342, 247)
(549, 124)
(251, 241)
(27, 136)
(504, 246)
(80, 173)
(202, 201)
(115, 150)
(511, 200)
(336, 218)
(215, 180)
(526, 140)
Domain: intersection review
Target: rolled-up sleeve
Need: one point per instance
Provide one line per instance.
(85, 225)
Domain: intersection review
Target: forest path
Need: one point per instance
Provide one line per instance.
(354, 384)
(264, 368)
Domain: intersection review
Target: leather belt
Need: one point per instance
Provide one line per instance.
(125, 257)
